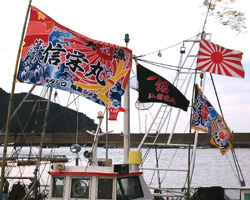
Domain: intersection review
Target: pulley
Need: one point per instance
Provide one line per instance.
(183, 49)
(201, 75)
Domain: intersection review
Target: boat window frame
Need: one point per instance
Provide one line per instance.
(139, 187)
(89, 187)
(247, 196)
(244, 194)
(53, 186)
(113, 186)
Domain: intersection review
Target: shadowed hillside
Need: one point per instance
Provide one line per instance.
(60, 119)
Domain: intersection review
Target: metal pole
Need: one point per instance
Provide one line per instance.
(77, 133)
(106, 142)
(126, 138)
(11, 102)
(196, 137)
(96, 139)
(40, 149)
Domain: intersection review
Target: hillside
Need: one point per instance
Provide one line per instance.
(60, 119)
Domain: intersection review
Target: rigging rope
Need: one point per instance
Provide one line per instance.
(166, 66)
(143, 55)
(237, 166)
(231, 166)
(62, 112)
(16, 150)
(171, 161)
(47, 161)
(238, 169)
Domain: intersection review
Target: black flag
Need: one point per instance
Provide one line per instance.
(154, 88)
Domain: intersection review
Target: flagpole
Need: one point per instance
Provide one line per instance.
(106, 140)
(189, 141)
(126, 138)
(11, 103)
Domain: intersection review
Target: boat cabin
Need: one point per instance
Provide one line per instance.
(97, 182)
(245, 193)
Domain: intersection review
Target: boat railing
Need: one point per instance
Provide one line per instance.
(164, 169)
(232, 193)
(26, 159)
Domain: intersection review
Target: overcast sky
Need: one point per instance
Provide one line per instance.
(152, 26)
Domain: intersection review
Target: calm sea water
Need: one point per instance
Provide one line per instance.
(211, 168)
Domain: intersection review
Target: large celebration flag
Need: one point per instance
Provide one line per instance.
(206, 119)
(55, 56)
(154, 88)
(219, 60)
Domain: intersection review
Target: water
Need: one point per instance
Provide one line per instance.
(211, 168)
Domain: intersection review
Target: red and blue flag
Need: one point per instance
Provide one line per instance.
(55, 56)
(206, 119)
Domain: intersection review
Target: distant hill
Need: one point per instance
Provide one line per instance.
(60, 119)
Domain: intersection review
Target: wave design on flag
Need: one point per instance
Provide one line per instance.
(55, 56)
(219, 60)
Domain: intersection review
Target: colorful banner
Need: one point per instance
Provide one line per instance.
(113, 112)
(206, 119)
(154, 88)
(55, 56)
(219, 60)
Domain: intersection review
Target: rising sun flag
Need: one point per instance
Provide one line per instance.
(206, 119)
(57, 57)
(219, 60)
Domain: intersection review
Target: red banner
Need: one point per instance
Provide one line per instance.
(55, 56)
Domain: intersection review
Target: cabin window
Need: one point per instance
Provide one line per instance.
(105, 188)
(129, 188)
(247, 196)
(58, 184)
(80, 188)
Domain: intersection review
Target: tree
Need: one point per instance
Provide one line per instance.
(226, 13)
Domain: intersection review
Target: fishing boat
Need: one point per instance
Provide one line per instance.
(101, 178)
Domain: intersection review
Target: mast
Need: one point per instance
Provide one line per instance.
(106, 139)
(162, 117)
(77, 132)
(126, 138)
(40, 149)
(11, 103)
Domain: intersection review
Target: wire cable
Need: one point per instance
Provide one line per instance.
(143, 55)
(165, 66)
